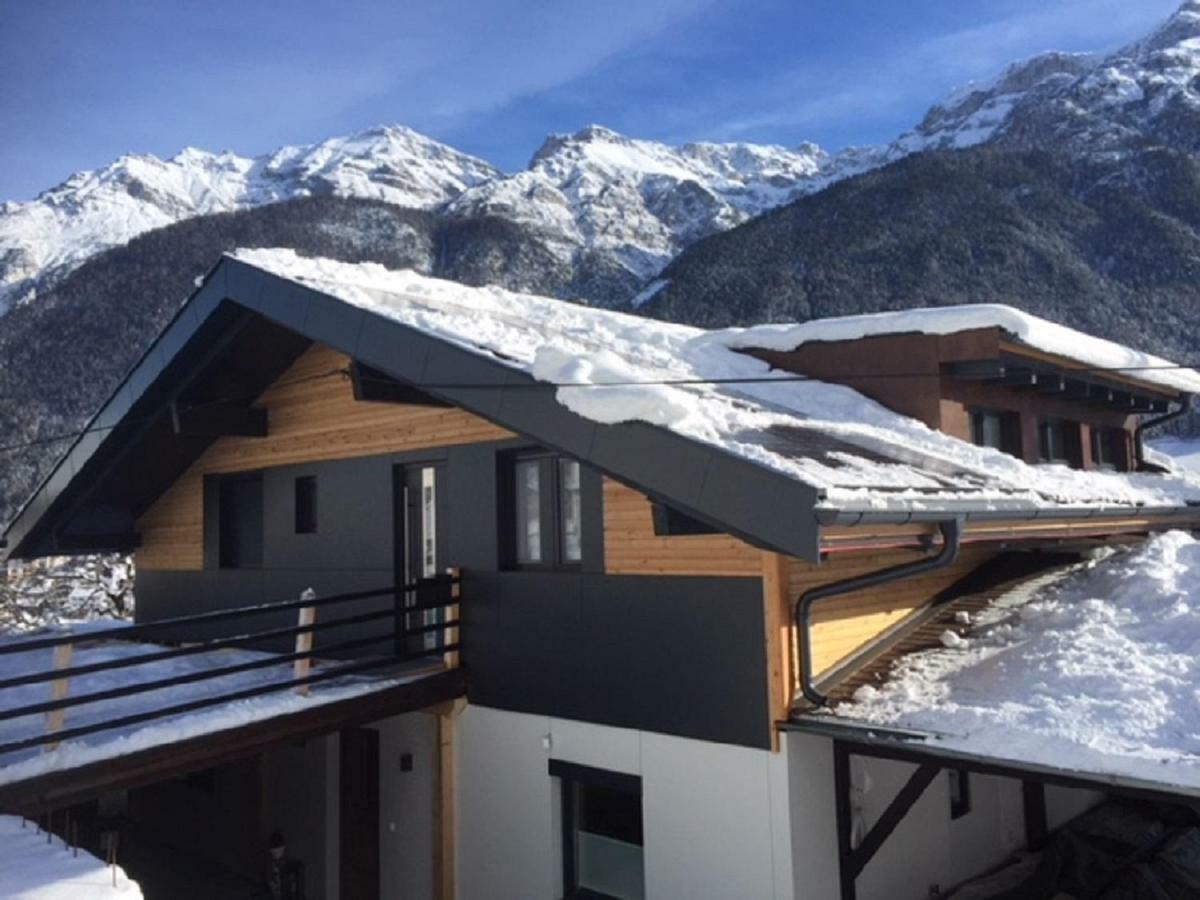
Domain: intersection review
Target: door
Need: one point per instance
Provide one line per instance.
(358, 815)
(421, 541)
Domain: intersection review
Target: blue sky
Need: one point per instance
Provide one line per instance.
(84, 82)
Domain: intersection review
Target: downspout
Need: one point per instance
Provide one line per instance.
(1185, 406)
(951, 530)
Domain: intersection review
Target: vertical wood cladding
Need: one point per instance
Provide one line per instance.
(844, 624)
(312, 416)
(632, 548)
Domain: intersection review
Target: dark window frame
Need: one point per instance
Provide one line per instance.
(305, 489)
(1110, 448)
(574, 777)
(1070, 436)
(1009, 421)
(231, 553)
(550, 512)
(670, 522)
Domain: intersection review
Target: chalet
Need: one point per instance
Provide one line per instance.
(467, 593)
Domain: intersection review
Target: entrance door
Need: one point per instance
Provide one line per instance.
(358, 861)
(421, 539)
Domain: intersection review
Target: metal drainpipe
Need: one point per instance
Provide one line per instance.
(1138, 447)
(951, 530)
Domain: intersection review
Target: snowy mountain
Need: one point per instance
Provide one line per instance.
(1145, 94)
(44, 239)
(641, 202)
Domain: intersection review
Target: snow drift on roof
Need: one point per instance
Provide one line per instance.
(1033, 331)
(611, 367)
(1095, 670)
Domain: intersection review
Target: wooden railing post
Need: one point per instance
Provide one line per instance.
(452, 612)
(56, 718)
(304, 641)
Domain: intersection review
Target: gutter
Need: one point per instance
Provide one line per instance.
(1139, 450)
(951, 530)
(966, 513)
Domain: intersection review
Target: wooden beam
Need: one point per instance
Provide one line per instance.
(55, 790)
(781, 685)
(445, 826)
(220, 419)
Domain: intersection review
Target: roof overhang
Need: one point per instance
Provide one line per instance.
(247, 324)
(909, 746)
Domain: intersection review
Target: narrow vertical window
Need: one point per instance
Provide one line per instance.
(306, 504)
(570, 510)
(528, 511)
(429, 563)
(960, 793)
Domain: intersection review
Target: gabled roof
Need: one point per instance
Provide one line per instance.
(674, 411)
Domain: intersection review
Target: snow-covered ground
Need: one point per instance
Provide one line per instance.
(610, 367)
(1094, 669)
(1184, 452)
(116, 742)
(32, 868)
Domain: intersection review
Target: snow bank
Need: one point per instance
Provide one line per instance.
(609, 367)
(1094, 670)
(1028, 329)
(32, 869)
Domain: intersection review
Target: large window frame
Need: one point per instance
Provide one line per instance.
(240, 520)
(541, 512)
(597, 806)
(1060, 441)
(999, 429)
(1110, 448)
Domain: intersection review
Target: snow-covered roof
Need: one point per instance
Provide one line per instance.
(613, 367)
(22, 764)
(1091, 670)
(1035, 332)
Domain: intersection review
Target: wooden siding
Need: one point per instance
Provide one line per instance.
(312, 416)
(632, 548)
(843, 625)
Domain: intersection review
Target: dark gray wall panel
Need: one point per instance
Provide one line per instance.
(680, 656)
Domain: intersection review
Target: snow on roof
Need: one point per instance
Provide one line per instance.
(1094, 670)
(609, 367)
(1049, 337)
(32, 868)
(19, 765)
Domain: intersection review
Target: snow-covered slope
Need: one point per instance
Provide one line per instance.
(643, 201)
(1144, 94)
(46, 238)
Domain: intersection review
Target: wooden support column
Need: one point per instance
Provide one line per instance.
(59, 688)
(778, 622)
(304, 642)
(445, 820)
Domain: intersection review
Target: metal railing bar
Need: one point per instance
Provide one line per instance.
(191, 706)
(192, 649)
(219, 615)
(145, 687)
(437, 626)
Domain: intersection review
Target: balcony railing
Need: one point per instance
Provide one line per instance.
(419, 622)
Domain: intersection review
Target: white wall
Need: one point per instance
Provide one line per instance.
(714, 816)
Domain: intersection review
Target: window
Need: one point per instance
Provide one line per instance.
(1110, 448)
(602, 844)
(306, 504)
(998, 429)
(1058, 441)
(670, 522)
(960, 793)
(240, 521)
(546, 521)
